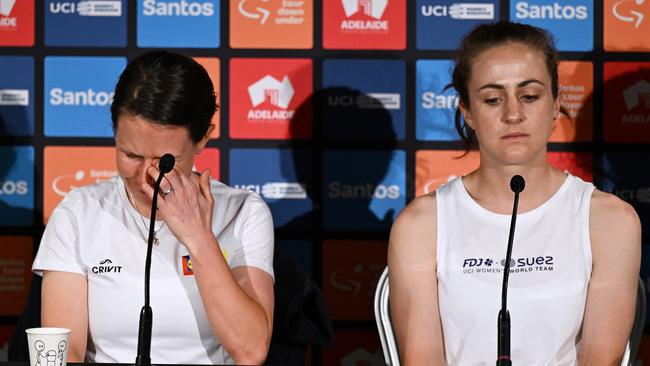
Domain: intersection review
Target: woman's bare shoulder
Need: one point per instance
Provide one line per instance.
(414, 230)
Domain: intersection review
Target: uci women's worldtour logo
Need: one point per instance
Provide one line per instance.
(16, 22)
(17, 95)
(517, 265)
(96, 23)
(178, 23)
(570, 22)
(451, 18)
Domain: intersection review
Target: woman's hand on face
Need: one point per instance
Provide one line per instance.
(187, 209)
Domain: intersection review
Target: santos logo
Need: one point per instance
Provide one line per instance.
(462, 11)
(372, 8)
(92, 8)
(5, 9)
(366, 191)
(63, 184)
(431, 100)
(525, 10)
(10, 187)
(177, 8)
(634, 16)
(14, 97)
(278, 190)
(88, 97)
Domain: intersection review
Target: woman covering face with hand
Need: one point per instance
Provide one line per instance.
(572, 288)
(211, 272)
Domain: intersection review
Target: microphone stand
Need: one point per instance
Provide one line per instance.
(146, 315)
(503, 322)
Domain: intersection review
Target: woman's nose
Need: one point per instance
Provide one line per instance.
(512, 112)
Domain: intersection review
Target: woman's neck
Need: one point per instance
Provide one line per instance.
(490, 186)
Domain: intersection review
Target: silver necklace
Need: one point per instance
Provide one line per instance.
(156, 242)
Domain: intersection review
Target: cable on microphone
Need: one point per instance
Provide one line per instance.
(517, 185)
(165, 165)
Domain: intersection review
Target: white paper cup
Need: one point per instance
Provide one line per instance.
(48, 346)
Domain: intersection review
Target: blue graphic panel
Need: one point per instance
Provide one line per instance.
(625, 175)
(570, 22)
(78, 95)
(17, 186)
(441, 24)
(281, 177)
(364, 99)
(17, 96)
(363, 190)
(435, 105)
(176, 23)
(90, 23)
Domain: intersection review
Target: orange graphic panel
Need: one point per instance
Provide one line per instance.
(351, 270)
(354, 347)
(66, 168)
(212, 66)
(626, 25)
(271, 24)
(208, 158)
(576, 96)
(577, 163)
(435, 167)
(16, 254)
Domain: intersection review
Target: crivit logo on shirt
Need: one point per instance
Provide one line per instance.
(16, 22)
(106, 266)
(78, 103)
(626, 25)
(436, 106)
(17, 186)
(450, 18)
(95, 23)
(373, 84)
(17, 95)
(279, 178)
(178, 23)
(361, 24)
(542, 263)
(571, 23)
(278, 24)
(66, 168)
(264, 95)
(627, 92)
(369, 185)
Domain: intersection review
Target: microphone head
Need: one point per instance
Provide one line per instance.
(166, 163)
(517, 183)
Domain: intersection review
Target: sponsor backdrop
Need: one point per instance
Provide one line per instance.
(335, 111)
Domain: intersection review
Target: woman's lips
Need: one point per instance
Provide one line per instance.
(514, 135)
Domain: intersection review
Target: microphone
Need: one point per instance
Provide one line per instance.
(517, 185)
(165, 165)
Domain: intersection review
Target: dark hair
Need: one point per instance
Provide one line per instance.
(484, 37)
(168, 89)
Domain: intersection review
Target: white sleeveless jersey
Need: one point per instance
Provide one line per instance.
(551, 268)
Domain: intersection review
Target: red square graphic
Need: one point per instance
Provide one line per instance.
(17, 23)
(265, 94)
(364, 24)
(351, 270)
(208, 158)
(627, 102)
(577, 163)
